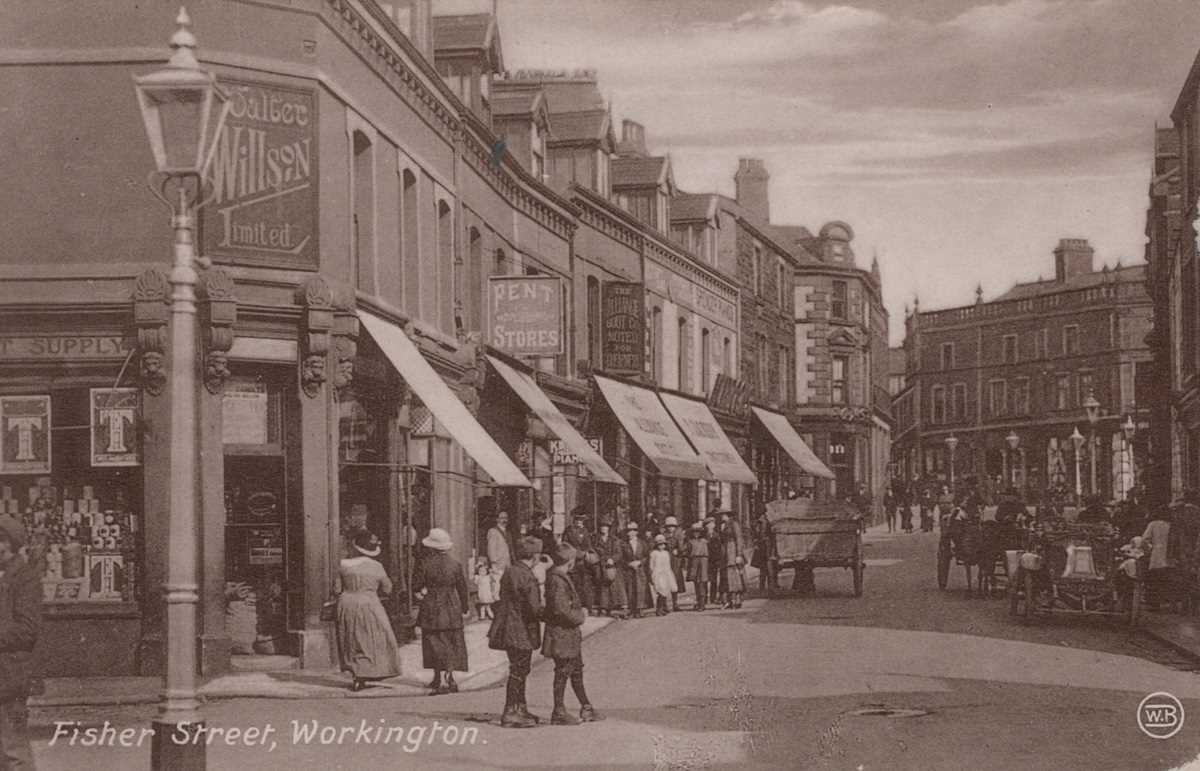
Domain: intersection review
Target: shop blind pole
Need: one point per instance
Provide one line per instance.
(183, 110)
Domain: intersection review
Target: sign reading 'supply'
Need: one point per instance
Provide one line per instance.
(526, 315)
(264, 178)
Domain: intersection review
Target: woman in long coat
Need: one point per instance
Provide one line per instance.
(444, 599)
(610, 584)
(367, 645)
(735, 570)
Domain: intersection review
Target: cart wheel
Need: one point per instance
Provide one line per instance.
(1027, 613)
(943, 566)
(858, 579)
(1135, 604)
(1014, 593)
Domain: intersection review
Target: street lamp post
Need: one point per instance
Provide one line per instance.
(1013, 440)
(951, 445)
(183, 110)
(1128, 429)
(1093, 415)
(1077, 440)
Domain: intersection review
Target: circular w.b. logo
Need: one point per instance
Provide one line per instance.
(1160, 715)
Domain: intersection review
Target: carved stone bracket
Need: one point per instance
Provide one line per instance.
(345, 336)
(218, 308)
(470, 383)
(151, 311)
(317, 299)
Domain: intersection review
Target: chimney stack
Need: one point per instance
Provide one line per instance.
(633, 139)
(1072, 257)
(751, 182)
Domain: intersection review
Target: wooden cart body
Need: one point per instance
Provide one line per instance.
(806, 536)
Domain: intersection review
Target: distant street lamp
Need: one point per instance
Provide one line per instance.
(1128, 429)
(1077, 440)
(952, 445)
(183, 110)
(1093, 415)
(1013, 440)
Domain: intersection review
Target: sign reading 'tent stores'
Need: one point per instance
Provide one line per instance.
(526, 314)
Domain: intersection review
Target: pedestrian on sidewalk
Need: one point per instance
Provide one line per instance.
(610, 584)
(761, 533)
(635, 556)
(1159, 576)
(698, 564)
(563, 641)
(677, 548)
(440, 584)
(486, 587)
(366, 643)
(517, 630)
(716, 562)
(735, 563)
(662, 577)
(889, 509)
(499, 548)
(577, 536)
(20, 623)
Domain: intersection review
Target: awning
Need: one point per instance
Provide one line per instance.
(645, 419)
(441, 401)
(705, 434)
(790, 441)
(536, 400)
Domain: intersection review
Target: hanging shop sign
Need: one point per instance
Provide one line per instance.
(115, 440)
(561, 454)
(526, 314)
(25, 434)
(264, 179)
(63, 347)
(622, 327)
(730, 396)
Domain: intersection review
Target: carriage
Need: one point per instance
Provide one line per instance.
(1072, 568)
(980, 545)
(807, 534)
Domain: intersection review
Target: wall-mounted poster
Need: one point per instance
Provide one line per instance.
(245, 413)
(115, 440)
(25, 434)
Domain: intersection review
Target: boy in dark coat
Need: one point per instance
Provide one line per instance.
(581, 575)
(517, 630)
(563, 640)
(20, 620)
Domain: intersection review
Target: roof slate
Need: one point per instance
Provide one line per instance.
(575, 126)
(466, 31)
(637, 171)
(691, 206)
(1129, 274)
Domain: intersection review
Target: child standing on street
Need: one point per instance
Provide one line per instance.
(697, 553)
(563, 640)
(662, 577)
(485, 590)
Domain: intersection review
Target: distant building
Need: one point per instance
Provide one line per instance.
(1022, 366)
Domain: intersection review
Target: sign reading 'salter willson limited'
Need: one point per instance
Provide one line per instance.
(622, 327)
(264, 177)
(527, 315)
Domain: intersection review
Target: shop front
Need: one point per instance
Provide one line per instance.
(780, 451)
(725, 465)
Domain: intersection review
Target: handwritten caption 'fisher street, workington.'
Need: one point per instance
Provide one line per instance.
(268, 736)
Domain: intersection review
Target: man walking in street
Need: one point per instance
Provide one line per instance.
(517, 630)
(20, 620)
(578, 537)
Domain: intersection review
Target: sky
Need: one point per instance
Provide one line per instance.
(960, 139)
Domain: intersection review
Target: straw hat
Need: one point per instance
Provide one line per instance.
(670, 521)
(368, 544)
(438, 539)
(632, 525)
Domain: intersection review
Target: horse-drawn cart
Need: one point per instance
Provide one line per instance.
(1076, 569)
(806, 535)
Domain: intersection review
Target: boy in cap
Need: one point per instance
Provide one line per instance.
(517, 629)
(677, 548)
(563, 641)
(697, 559)
(635, 553)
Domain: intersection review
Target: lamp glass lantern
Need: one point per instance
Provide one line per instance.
(183, 109)
(1077, 439)
(1013, 440)
(1129, 428)
(951, 442)
(1093, 408)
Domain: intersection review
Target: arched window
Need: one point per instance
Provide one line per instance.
(727, 358)
(500, 268)
(681, 365)
(705, 362)
(656, 340)
(362, 234)
(470, 296)
(593, 321)
(410, 259)
(445, 267)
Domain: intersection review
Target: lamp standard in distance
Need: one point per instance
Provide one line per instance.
(1093, 415)
(1013, 441)
(1128, 430)
(183, 110)
(1077, 440)
(951, 445)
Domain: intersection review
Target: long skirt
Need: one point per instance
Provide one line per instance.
(444, 649)
(735, 578)
(610, 595)
(366, 643)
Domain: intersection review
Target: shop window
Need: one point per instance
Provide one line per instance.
(71, 472)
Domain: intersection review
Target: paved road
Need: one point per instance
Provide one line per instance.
(776, 685)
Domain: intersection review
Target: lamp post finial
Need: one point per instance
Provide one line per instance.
(183, 43)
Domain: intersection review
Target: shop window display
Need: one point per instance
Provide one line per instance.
(70, 471)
